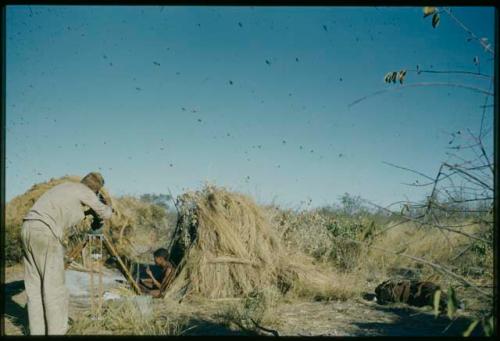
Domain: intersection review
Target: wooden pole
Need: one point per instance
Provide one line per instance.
(75, 252)
(101, 288)
(129, 277)
(91, 263)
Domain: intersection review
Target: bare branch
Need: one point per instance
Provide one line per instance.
(413, 85)
(410, 170)
(472, 73)
(473, 36)
(469, 176)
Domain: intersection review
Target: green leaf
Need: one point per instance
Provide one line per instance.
(394, 76)
(488, 326)
(387, 77)
(437, 298)
(428, 10)
(452, 302)
(470, 329)
(435, 20)
(401, 76)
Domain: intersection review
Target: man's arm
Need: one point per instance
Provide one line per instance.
(150, 274)
(91, 200)
(166, 278)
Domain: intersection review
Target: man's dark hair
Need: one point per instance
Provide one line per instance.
(162, 252)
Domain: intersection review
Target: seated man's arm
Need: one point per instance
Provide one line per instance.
(150, 274)
(166, 278)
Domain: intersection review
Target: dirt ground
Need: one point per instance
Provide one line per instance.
(349, 318)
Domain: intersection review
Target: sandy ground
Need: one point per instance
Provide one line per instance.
(78, 284)
(349, 318)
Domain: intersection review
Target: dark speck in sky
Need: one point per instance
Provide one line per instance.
(325, 28)
(268, 62)
(156, 63)
(296, 59)
(137, 88)
(231, 82)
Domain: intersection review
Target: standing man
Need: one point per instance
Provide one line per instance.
(42, 234)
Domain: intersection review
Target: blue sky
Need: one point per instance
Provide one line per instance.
(252, 98)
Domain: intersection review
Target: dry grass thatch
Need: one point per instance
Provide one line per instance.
(225, 246)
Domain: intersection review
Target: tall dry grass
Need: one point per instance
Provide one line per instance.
(124, 317)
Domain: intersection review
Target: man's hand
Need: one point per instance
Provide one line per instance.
(105, 201)
(97, 231)
(148, 271)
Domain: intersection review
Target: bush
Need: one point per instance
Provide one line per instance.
(322, 234)
(13, 245)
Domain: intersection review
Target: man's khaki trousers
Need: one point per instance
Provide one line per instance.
(44, 280)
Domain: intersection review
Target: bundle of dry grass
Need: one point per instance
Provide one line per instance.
(137, 228)
(225, 247)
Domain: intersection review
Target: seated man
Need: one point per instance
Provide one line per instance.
(156, 286)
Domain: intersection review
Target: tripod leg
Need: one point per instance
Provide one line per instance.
(100, 277)
(91, 263)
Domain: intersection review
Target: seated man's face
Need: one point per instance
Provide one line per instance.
(160, 261)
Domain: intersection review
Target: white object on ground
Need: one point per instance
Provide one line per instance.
(78, 283)
(111, 296)
(144, 303)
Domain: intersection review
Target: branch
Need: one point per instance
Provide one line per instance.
(410, 170)
(469, 175)
(272, 331)
(483, 44)
(479, 74)
(456, 85)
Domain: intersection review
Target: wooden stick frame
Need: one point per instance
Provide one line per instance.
(111, 249)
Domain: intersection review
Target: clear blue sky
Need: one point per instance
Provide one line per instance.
(144, 95)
